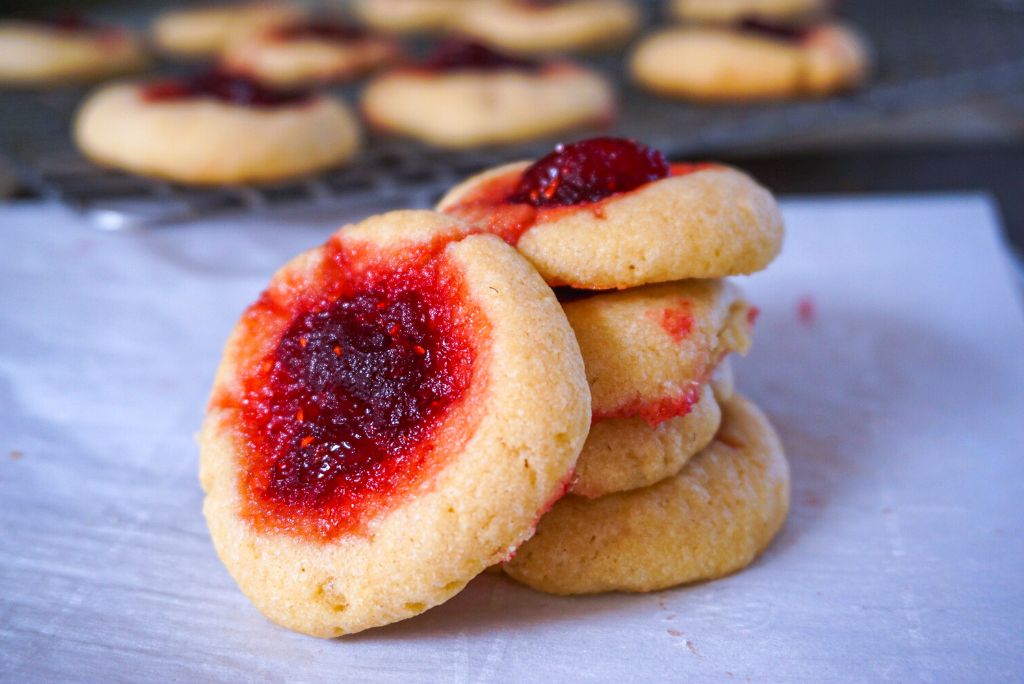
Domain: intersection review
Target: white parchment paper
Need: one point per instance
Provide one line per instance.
(890, 354)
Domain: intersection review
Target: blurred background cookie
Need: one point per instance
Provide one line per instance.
(535, 26)
(65, 48)
(205, 30)
(309, 51)
(752, 60)
(731, 11)
(402, 16)
(468, 95)
(214, 128)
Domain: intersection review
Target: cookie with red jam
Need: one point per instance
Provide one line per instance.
(215, 128)
(390, 417)
(650, 354)
(466, 94)
(540, 26)
(309, 51)
(751, 60)
(205, 31)
(713, 518)
(65, 48)
(610, 213)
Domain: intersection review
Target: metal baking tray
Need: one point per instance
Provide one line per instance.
(927, 53)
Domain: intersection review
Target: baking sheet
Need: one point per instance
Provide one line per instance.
(890, 354)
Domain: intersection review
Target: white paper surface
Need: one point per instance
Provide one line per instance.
(899, 394)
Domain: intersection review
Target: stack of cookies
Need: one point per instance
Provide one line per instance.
(534, 376)
(680, 478)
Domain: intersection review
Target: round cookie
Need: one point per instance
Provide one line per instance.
(390, 417)
(730, 11)
(214, 129)
(201, 31)
(467, 95)
(621, 454)
(408, 15)
(649, 351)
(711, 519)
(308, 51)
(609, 213)
(755, 62)
(46, 52)
(538, 26)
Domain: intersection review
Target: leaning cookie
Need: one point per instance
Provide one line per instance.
(753, 61)
(214, 129)
(529, 27)
(302, 52)
(611, 213)
(403, 16)
(731, 11)
(712, 519)
(200, 31)
(467, 95)
(63, 50)
(391, 417)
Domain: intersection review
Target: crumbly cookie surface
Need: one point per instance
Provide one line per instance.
(503, 453)
(710, 221)
(713, 518)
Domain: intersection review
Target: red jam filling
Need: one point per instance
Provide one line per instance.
(72, 22)
(657, 411)
(791, 33)
(322, 30)
(230, 88)
(460, 55)
(677, 321)
(349, 406)
(564, 182)
(589, 171)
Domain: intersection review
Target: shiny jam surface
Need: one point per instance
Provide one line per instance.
(503, 204)
(462, 55)
(791, 33)
(324, 30)
(356, 400)
(589, 171)
(230, 88)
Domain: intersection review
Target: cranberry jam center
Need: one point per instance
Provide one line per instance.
(589, 171)
(791, 33)
(324, 30)
(461, 55)
(229, 88)
(341, 418)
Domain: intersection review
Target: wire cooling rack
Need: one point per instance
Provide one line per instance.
(927, 53)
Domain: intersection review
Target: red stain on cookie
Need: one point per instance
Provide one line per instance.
(677, 320)
(333, 439)
(806, 311)
(656, 411)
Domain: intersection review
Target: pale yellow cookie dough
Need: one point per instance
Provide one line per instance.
(471, 108)
(527, 29)
(38, 54)
(532, 408)
(206, 141)
(712, 64)
(709, 223)
(712, 519)
(200, 31)
(403, 16)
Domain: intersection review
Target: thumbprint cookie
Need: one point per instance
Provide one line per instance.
(202, 31)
